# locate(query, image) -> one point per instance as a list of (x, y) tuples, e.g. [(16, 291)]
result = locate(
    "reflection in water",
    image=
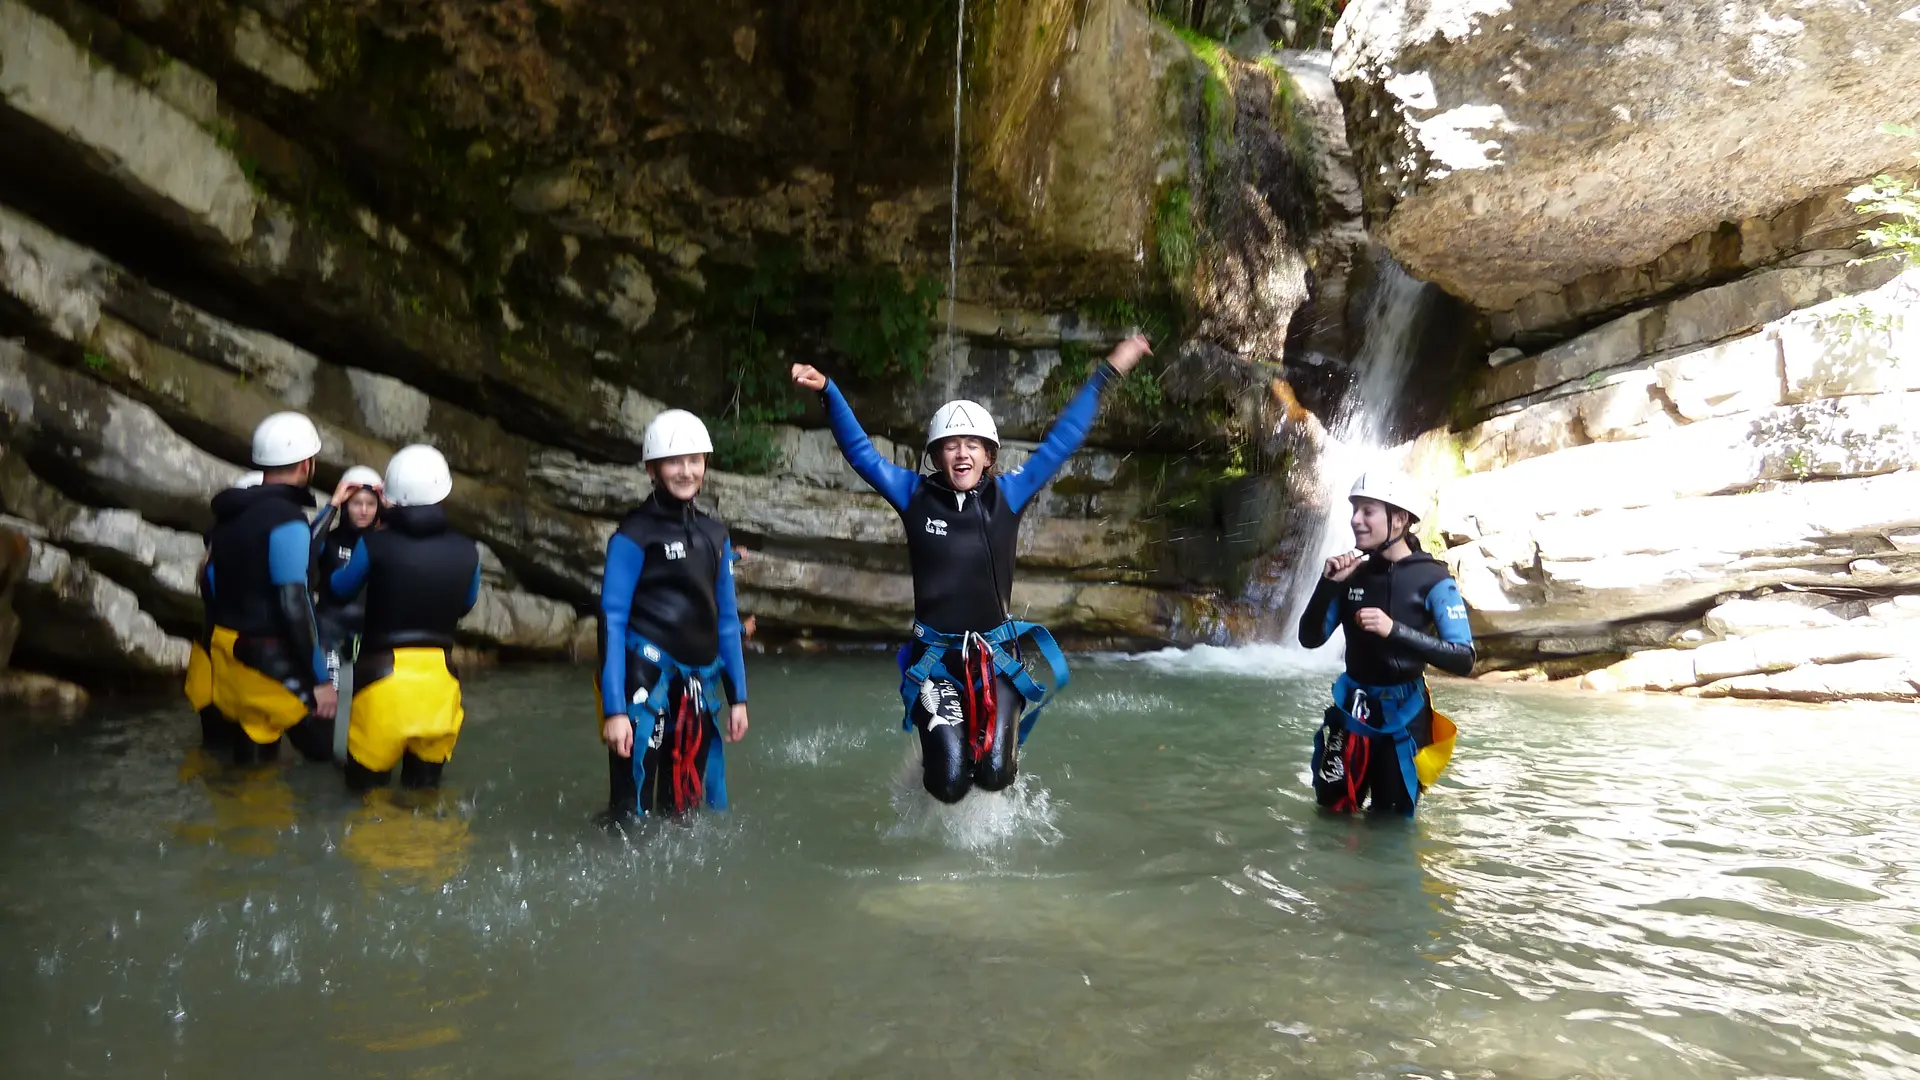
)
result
[(416, 839), (251, 807), (1600, 887)]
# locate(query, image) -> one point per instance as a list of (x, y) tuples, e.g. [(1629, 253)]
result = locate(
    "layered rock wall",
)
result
[(1633, 495), (520, 242)]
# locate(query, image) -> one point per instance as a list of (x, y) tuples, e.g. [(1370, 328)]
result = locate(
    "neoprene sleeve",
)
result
[(1067, 434), (289, 557), (1318, 622), (624, 560), (894, 483), (731, 652), (1450, 656)]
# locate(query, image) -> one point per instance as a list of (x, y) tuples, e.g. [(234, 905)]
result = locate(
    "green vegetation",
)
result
[(1312, 18), (1894, 197), (1173, 234), (882, 323), (96, 361), (1216, 97), (1141, 388), (879, 321), (227, 137), (1294, 127), (747, 317)]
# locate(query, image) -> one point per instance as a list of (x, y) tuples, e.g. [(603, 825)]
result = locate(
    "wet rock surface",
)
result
[(419, 226), (1738, 515), (1513, 150)]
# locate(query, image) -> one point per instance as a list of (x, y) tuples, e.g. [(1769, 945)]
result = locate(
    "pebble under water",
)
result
[(1601, 887)]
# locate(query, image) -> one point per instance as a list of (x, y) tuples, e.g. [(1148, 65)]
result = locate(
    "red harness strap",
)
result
[(981, 698), (687, 778), (1359, 753)]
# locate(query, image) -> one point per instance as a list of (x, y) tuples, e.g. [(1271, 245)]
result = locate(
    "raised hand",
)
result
[(808, 377), (1128, 353)]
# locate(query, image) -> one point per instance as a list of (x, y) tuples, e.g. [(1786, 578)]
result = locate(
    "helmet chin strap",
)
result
[(1381, 548)]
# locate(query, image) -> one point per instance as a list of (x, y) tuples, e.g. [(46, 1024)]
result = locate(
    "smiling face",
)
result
[(362, 507), (1373, 522), (964, 459), (681, 477)]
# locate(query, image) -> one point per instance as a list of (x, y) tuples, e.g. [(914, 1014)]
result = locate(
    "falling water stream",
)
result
[(953, 221), (1359, 436)]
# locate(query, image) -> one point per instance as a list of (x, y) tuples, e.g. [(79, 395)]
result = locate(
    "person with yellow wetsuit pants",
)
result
[(420, 578), (216, 731), (1381, 743), (268, 673)]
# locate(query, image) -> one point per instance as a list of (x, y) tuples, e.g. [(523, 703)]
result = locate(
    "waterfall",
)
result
[(1360, 432), (953, 220)]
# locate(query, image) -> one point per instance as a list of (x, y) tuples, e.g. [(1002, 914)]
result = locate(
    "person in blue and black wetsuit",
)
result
[(1381, 742), (670, 637), (269, 675), (216, 731), (965, 690), (420, 577)]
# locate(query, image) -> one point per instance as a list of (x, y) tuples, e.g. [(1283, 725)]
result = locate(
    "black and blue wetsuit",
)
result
[(1382, 715), (417, 578), (265, 650), (960, 548), (669, 641)]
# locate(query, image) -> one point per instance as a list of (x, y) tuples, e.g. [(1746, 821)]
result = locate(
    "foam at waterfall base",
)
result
[(1270, 660)]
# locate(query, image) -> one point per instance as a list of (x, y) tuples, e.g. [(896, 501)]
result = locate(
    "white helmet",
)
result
[(962, 417), (248, 480), (674, 433), (361, 476), (285, 438), (418, 476), (1393, 487)]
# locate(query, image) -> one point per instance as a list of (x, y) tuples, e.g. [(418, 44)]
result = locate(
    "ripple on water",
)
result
[(1592, 891)]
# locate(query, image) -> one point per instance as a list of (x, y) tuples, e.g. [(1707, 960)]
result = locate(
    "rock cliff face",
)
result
[(1645, 477), (1690, 462), (1548, 160), (518, 231)]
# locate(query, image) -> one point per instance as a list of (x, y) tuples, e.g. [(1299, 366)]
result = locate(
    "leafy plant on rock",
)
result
[(1896, 199)]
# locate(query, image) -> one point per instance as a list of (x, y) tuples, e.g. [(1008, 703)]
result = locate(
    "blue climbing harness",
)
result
[(1397, 706), (994, 641), (706, 708)]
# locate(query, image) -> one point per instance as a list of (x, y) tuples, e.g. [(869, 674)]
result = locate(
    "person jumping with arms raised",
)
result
[(969, 698)]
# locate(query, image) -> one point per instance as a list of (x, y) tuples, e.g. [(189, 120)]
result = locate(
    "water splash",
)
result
[(1359, 436), (983, 821), (953, 205)]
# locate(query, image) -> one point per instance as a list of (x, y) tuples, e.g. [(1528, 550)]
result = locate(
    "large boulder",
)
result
[(1512, 149)]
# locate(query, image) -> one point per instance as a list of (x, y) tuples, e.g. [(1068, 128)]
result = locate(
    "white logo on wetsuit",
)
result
[(936, 526), (941, 700), (345, 553), (675, 549), (1356, 595), (659, 733)]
